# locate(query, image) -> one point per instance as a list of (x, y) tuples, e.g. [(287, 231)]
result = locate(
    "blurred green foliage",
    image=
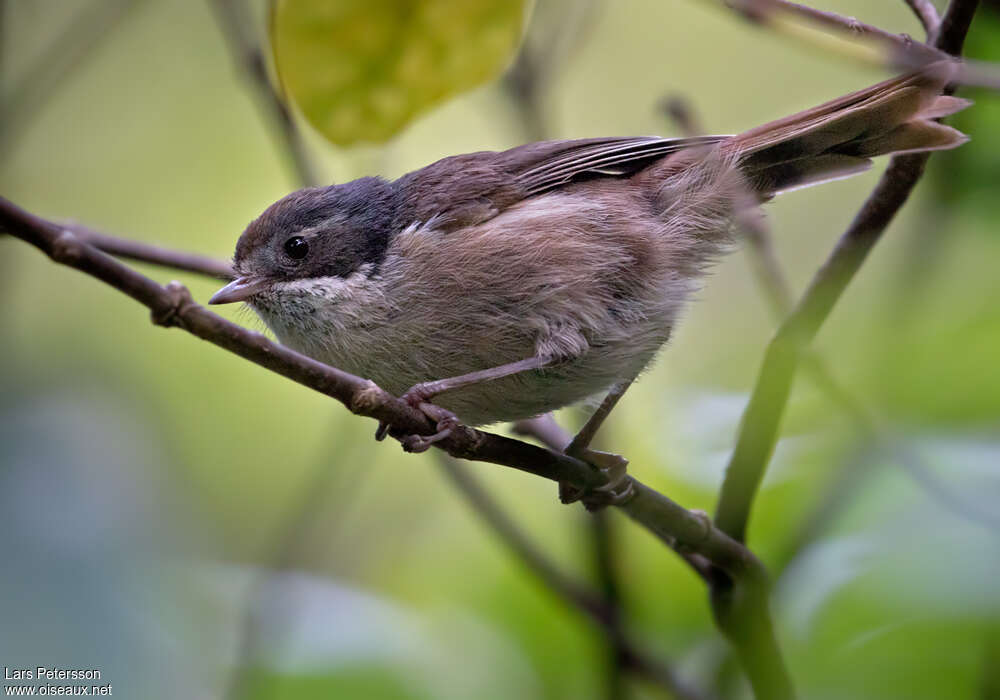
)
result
[(360, 70), (148, 480)]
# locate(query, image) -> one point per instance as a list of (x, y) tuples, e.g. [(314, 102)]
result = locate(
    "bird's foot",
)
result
[(445, 422), (417, 397), (617, 490)]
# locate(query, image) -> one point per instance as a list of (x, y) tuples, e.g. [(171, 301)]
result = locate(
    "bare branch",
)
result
[(236, 23), (899, 51), (858, 40), (758, 431), (153, 254), (172, 306)]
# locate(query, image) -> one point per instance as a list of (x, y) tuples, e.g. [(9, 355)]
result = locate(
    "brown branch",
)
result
[(153, 254), (758, 431), (546, 430), (864, 42), (898, 50), (236, 23), (172, 306)]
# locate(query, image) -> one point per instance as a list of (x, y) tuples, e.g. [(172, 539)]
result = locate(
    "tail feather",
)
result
[(806, 172), (911, 137), (836, 139), (944, 106)]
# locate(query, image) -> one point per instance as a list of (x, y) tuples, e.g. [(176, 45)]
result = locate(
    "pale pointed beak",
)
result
[(240, 289)]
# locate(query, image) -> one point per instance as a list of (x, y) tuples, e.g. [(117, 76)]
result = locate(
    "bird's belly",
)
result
[(398, 363), (529, 394), (532, 392)]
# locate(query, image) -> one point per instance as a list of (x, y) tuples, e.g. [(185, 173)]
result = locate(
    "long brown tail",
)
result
[(838, 138)]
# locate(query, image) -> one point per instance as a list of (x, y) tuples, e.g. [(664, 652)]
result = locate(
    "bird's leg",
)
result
[(419, 397), (619, 487), (428, 390)]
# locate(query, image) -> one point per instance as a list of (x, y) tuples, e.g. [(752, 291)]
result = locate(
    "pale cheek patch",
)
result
[(322, 289), (309, 313)]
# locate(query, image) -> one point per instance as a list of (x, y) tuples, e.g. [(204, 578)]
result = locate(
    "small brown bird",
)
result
[(504, 285)]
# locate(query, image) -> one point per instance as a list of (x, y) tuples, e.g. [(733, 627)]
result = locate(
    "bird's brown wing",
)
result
[(548, 165), (467, 189)]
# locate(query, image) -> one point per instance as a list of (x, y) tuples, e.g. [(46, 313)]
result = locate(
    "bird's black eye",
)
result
[(296, 247)]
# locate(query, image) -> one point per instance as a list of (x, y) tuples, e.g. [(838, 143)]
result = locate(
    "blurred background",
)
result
[(189, 523)]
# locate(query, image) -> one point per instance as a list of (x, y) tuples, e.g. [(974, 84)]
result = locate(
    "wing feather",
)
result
[(609, 158)]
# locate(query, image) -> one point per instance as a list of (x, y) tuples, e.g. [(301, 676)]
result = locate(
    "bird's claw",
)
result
[(614, 492), (445, 422)]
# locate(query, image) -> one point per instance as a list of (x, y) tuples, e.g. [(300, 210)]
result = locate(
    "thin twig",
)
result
[(858, 40), (928, 15), (758, 431), (236, 23), (153, 254), (899, 51)]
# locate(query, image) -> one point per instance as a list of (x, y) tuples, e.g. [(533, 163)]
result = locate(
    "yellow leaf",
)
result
[(360, 70)]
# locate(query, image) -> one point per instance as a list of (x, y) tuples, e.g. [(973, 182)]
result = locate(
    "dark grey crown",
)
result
[(346, 227)]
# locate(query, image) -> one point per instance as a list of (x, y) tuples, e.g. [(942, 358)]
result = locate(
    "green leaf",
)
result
[(360, 70)]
